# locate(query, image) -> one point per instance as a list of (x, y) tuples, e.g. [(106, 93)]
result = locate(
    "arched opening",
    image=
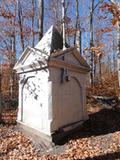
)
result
[(70, 103), (31, 110)]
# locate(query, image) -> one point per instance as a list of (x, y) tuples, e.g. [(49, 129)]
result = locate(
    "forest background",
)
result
[(91, 25)]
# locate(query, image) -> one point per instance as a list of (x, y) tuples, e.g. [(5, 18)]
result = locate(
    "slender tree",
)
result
[(63, 19), (40, 18), (33, 20), (77, 36), (92, 42), (20, 21), (115, 3)]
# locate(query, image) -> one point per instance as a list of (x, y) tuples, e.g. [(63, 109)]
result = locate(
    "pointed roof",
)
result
[(48, 48), (52, 40)]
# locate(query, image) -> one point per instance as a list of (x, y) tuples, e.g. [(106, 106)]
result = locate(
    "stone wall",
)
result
[(69, 98), (34, 95)]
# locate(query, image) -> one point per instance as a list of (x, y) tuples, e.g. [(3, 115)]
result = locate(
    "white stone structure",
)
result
[(52, 85)]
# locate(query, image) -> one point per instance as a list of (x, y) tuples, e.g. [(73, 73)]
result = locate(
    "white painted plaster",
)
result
[(45, 102)]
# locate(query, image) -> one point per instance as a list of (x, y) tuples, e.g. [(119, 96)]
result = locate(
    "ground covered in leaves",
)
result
[(98, 139)]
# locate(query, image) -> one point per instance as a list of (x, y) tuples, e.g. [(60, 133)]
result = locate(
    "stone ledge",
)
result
[(40, 140), (46, 141)]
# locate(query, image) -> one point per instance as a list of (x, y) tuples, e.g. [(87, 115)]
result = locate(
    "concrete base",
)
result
[(45, 142), (40, 141)]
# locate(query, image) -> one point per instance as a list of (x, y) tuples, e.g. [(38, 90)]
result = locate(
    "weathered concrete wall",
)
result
[(69, 98), (34, 94)]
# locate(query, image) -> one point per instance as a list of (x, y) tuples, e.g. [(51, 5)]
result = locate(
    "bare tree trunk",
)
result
[(12, 53), (40, 18), (92, 43), (78, 34), (118, 44), (118, 51), (12, 63), (100, 69), (77, 20), (114, 58), (63, 24), (109, 64), (33, 36), (0, 83), (20, 21)]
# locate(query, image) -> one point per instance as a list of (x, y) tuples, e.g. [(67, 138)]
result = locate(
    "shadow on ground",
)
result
[(103, 122), (109, 156)]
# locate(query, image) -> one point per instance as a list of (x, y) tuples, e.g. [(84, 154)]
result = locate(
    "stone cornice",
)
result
[(72, 67), (52, 63), (30, 68)]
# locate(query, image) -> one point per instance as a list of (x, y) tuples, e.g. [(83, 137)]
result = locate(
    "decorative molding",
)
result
[(72, 67)]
